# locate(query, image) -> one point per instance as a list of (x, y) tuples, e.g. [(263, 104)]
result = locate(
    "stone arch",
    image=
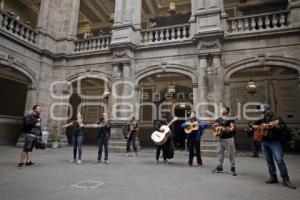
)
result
[(90, 74), (20, 67), (171, 68), (276, 61)]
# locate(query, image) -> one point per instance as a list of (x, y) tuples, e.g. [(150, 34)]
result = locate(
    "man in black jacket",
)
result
[(31, 130), (271, 146), (103, 137), (163, 147)]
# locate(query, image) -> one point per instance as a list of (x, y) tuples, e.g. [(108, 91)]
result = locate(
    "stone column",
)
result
[(195, 97), (227, 93), (138, 14), (127, 23), (294, 7), (116, 76), (127, 90), (30, 98), (218, 79), (121, 72), (202, 84), (118, 12), (43, 16), (206, 17), (57, 25)]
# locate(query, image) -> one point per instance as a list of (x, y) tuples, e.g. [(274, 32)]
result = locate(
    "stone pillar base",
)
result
[(209, 144)]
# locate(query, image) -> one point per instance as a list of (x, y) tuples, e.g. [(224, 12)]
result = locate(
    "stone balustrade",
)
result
[(166, 34), (13, 26), (258, 23), (92, 44)]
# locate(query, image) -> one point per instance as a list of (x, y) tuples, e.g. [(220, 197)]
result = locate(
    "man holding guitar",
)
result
[(225, 126), (271, 145), (164, 147), (194, 128)]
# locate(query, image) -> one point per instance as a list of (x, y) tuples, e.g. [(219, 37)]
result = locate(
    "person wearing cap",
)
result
[(271, 146)]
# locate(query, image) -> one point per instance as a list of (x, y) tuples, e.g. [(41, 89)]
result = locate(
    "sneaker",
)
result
[(78, 161), (73, 161), (233, 171), (29, 163), (106, 162), (20, 165), (218, 169)]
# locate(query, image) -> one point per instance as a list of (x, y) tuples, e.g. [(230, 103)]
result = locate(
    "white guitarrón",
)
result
[(160, 137)]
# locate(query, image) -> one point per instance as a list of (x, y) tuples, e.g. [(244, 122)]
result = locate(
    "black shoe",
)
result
[(218, 169), (29, 163), (20, 165), (233, 171)]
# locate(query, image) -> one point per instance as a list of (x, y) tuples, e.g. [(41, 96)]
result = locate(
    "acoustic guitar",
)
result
[(160, 137), (261, 130), (218, 130), (192, 126)]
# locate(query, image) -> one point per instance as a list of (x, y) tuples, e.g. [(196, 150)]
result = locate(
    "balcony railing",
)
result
[(258, 23), (13, 26), (165, 34), (92, 44)]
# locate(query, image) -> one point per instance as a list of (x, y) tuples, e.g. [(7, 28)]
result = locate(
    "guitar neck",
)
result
[(171, 121)]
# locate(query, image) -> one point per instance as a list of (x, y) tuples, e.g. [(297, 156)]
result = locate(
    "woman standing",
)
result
[(77, 137)]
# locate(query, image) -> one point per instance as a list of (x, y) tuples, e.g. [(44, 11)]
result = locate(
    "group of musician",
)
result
[(224, 125)]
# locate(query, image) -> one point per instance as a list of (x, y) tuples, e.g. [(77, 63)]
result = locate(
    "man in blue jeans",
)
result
[(271, 146)]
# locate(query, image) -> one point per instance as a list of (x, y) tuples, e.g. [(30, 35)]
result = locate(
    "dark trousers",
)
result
[(162, 148), (194, 146), (273, 150), (131, 139), (254, 145), (77, 144), (102, 142)]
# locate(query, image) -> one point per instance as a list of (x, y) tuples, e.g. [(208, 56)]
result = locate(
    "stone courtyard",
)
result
[(129, 178)]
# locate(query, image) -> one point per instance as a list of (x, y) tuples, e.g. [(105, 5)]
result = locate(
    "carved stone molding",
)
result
[(209, 46)]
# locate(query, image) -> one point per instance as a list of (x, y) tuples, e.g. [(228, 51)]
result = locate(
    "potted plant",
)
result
[(55, 140)]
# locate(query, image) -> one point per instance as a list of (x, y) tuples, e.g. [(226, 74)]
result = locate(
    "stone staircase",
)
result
[(209, 144), (117, 142)]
